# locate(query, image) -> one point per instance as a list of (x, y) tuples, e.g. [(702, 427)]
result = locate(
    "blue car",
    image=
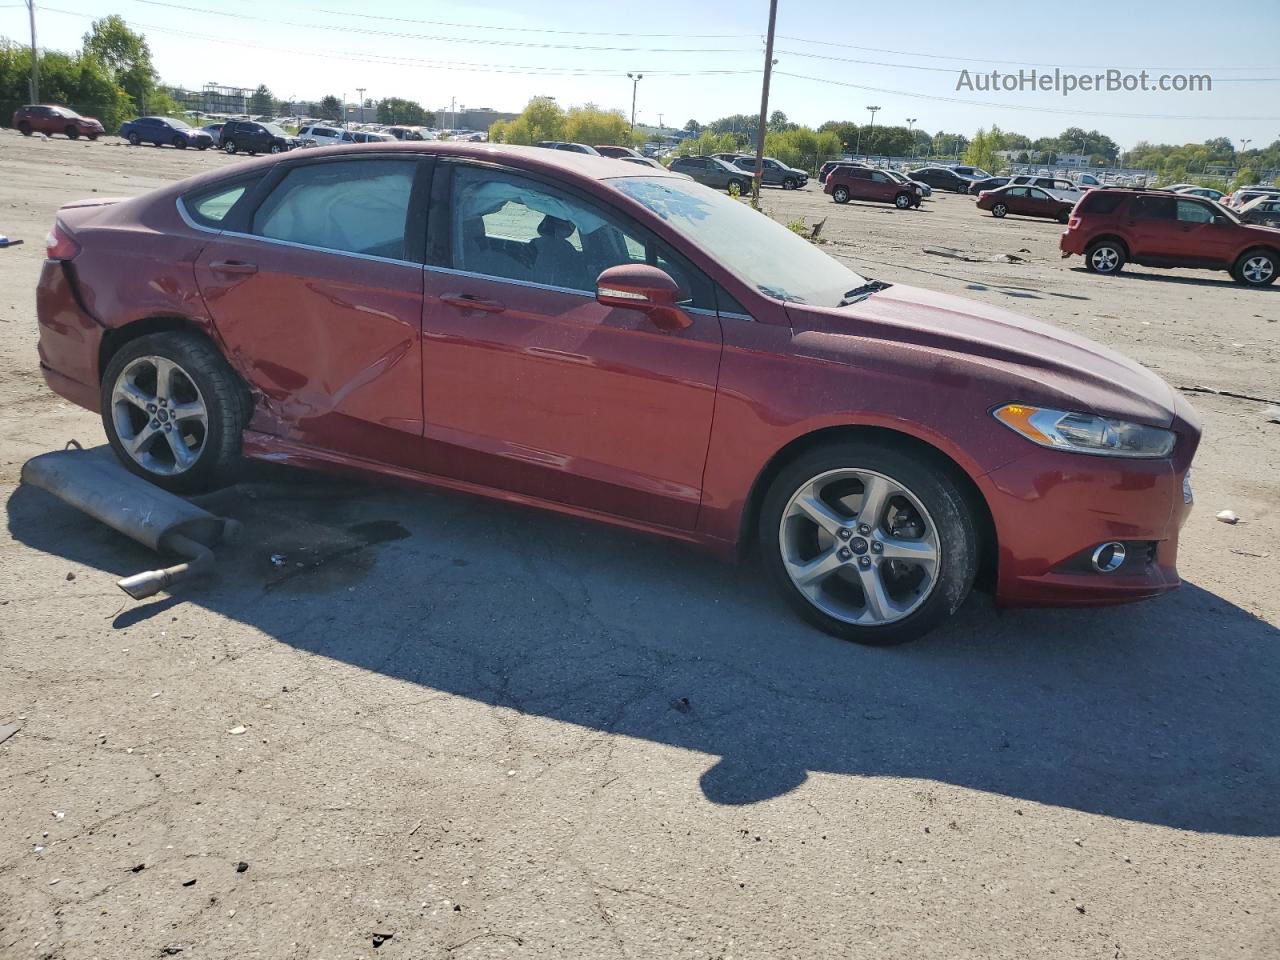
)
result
[(162, 130)]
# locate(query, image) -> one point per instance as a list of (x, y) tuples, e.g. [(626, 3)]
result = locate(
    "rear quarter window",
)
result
[(1101, 201), (212, 207)]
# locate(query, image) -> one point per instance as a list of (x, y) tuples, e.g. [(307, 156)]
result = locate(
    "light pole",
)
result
[(35, 54), (360, 91), (872, 128), (911, 122), (764, 103), (635, 79)]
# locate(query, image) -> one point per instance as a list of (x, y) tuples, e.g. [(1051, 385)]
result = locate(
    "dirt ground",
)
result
[(443, 728)]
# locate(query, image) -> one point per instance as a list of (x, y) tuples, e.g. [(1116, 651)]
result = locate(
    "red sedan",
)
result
[(552, 329), (1025, 202)]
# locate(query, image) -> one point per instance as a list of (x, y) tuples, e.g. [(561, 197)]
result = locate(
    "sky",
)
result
[(703, 60)]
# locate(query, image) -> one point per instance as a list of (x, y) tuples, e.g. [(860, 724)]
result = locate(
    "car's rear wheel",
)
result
[(1256, 268), (71, 132), (736, 188), (174, 411), (869, 543), (229, 146), (24, 128), (1105, 257), (902, 201), (840, 194), (134, 139), (999, 210), (180, 142)]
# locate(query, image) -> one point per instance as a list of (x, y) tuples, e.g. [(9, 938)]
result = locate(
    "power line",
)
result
[(1024, 107), (569, 33), (424, 36)]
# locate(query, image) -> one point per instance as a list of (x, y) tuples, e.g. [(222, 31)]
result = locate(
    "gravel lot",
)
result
[(471, 731)]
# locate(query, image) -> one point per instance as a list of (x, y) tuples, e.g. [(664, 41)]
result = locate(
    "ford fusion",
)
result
[(616, 342)]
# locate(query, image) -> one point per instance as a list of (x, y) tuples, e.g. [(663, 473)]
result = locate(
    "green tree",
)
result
[(126, 56), (693, 126), (261, 102), (397, 110), (541, 119), (590, 125), (778, 122), (331, 108), (78, 81), (982, 149)]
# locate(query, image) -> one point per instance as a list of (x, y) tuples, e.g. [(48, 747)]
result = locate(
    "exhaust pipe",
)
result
[(94, 481)]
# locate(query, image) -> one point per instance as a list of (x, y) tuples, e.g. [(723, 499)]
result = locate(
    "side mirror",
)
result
[(642, 287), (1218, 220)]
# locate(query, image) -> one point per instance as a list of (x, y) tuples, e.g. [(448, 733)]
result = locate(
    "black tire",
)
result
[(24, 128), (1256, 268), (1105, 257), (736, 188), (180, 142), (134, 139), (789, 183), (1064, 216), (999, 210), (902, 201), (229, 147), (276, 148), (840, 194), (203, 147), (72, 133), (93, 136), (225, 400), (931, 481)]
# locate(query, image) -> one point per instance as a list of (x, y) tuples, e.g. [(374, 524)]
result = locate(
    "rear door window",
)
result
[(354, 206)]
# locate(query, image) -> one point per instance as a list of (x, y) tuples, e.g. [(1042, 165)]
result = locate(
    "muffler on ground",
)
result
[(94, 481)]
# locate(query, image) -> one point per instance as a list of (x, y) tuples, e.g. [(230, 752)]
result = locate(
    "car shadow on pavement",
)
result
[(1163, 713), (1220, 279)]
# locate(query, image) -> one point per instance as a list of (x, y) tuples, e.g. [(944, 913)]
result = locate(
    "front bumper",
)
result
[(1051, 508)]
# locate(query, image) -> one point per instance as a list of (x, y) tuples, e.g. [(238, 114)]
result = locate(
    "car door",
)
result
[(315, 288), (881, 187), (1040, 204), (1015, 200), (1198, 238), (1149, 227), (532, 386)]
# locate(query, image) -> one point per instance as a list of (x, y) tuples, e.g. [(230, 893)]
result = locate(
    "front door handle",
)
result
[(468, 301), (233, 266)]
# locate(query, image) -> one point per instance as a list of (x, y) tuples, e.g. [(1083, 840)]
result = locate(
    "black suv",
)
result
[(941, 178), (249, 136)]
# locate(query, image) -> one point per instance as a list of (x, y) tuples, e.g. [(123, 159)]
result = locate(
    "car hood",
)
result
[(1019, 358)]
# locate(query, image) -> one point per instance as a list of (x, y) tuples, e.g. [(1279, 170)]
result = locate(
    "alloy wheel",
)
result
[(999, 210), (859, 546), (1105, 259), (1257, 269), (159, 415)]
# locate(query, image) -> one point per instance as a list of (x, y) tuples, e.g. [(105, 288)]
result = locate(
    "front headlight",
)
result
[(1085, 433)]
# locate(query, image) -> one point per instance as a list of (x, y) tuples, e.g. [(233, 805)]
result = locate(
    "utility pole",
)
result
[(661, 126), (872, 128), (764, 102), (361, 90), (35, 54), (911, 122), (635, 79)]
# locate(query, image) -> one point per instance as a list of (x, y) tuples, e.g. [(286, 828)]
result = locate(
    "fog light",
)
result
[(1108, 558)]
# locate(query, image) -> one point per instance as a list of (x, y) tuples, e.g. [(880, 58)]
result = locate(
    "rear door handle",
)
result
[(233, 266), (468, 301)]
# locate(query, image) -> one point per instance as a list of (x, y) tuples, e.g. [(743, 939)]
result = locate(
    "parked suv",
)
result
[(162, 130), (39, 118), (1157, 229), (713, 173), (249, 136), (830, 165), (324, 136), (860, 183), (775, 173)]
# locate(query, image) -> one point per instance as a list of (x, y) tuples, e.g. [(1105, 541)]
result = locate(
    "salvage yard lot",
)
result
[(438, 727)]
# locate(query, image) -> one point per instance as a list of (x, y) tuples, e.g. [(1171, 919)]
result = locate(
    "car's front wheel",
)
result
[(276, 148), (1256, 268), (840, 194), (869, 543), (789, 183), (174, 411), (902, 201), (180, 142), (999, 210)]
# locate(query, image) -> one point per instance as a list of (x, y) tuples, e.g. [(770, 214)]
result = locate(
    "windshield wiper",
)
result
[(861, 293)]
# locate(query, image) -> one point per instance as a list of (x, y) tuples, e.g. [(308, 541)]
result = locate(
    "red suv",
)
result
[(862, 183), (46, 119), (1157, 229)]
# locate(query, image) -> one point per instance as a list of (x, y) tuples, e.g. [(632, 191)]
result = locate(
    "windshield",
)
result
[(177, 124), (755, 248), (274, 130)]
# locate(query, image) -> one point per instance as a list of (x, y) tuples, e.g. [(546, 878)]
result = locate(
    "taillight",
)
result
[(1073, 222), (60, 245)]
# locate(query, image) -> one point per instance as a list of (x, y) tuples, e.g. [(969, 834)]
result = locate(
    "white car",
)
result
[(324, 136)]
